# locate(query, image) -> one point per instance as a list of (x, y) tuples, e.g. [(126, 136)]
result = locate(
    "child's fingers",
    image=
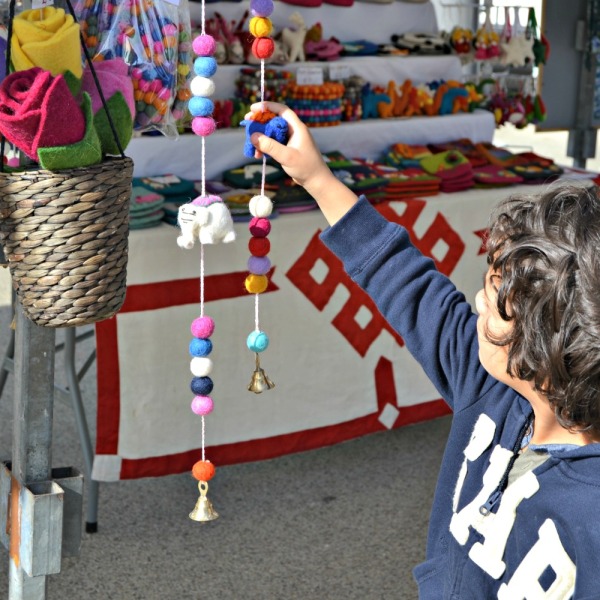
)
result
[(279, 109), (266, 145)]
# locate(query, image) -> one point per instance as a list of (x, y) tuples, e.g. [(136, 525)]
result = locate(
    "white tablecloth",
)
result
[(339, 371)]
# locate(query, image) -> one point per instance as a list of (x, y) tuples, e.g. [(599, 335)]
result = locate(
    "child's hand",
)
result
[(300, 157), (302, 161)]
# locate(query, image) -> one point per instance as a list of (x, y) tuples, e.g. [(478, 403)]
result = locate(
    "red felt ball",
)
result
[(203, 470), (263, 47), (259, 246)]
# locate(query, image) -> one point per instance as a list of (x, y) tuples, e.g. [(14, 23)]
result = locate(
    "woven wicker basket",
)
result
[(65, 237)]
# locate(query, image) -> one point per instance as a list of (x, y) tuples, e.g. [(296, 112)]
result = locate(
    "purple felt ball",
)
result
[(259, 265), (203, 126), (202, 405), (261, 8), (203, 327), (204, 45)]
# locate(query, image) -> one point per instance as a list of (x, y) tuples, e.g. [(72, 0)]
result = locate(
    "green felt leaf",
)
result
[(122, 120), (73, 83), (82, 154)]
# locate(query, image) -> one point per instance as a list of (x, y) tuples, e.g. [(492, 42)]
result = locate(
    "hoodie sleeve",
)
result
[(420, 303)]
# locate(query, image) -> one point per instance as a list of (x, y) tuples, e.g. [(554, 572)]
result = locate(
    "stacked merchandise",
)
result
[(453, 169), (174, 191), (359, 175), (317, 105), (146, 208)]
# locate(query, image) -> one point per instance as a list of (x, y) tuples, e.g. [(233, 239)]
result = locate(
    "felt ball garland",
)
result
[(193, 218), (260, 206)]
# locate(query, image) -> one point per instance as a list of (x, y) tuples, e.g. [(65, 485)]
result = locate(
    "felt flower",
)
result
[(46, 38), (38, 110), (117, 89)]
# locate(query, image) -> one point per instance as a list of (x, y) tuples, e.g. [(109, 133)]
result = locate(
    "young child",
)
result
[(515, 512)]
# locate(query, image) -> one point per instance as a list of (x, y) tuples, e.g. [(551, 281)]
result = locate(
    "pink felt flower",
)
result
[(113, 76), (38, 110)]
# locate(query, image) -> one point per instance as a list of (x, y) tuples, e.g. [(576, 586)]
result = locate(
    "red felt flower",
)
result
[(38, 110)]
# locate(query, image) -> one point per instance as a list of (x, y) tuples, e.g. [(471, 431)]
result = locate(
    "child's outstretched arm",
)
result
[(303, 162)]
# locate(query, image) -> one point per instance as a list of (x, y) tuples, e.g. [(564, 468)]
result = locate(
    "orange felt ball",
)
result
[(263, 47), (203, 470), (260, 26)]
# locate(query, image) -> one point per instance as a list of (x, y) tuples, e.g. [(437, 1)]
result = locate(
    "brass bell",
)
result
[(203, 511), (259, 382)]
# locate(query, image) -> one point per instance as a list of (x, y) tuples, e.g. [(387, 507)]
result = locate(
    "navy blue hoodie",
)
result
[(538, 538)]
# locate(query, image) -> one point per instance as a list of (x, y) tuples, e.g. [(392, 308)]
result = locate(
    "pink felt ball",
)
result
[(203, 327), (204, 45), (202, 405), (259, 227), (263, 47), (203, 126)]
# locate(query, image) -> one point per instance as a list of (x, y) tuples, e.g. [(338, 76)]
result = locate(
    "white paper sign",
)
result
[(309, 76), (338, 72)]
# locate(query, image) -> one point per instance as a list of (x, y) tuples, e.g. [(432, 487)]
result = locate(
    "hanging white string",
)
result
[(203, 455), (201, 279), (203, 159)]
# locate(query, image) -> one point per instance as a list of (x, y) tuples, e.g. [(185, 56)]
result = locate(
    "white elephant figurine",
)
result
[(206, 219)]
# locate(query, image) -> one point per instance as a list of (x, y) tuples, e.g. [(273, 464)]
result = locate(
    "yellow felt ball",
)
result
[(260, 26), (256, 284)]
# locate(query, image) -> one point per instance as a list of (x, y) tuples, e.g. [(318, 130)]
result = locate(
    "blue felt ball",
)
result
[(200, 347), (199, 106), (201, 386), (205, 66), (257, 341)]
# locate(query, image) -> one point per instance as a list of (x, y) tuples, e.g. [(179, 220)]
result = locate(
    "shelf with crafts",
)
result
[(366, 138)]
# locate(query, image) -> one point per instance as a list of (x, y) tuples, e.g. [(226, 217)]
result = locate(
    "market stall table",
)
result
[(340, 372)]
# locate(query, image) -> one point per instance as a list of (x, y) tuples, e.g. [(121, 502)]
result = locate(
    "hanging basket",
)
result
[(65, 236)]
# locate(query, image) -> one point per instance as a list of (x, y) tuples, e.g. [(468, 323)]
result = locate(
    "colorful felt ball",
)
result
[(200, 347), (263, 47), (203, 327), (259, 246), (260, 26), (202, 86), (200, 106), (256, 284), (257, 341), (203, 470), (261, 8), (201, 366), (203, 125), (201, 386), (204, 45), (259, 265), (202, 405), (259, 227), (205, 66), (260, 206)]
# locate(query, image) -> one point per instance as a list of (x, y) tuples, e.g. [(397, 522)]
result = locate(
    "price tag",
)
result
[(41, 3), (309, 76), (337, 72)]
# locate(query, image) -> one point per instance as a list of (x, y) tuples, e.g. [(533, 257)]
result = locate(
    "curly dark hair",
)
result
[(547, 250)]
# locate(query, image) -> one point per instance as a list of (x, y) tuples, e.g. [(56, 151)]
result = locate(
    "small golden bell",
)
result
[(260, 381), (203, 511)]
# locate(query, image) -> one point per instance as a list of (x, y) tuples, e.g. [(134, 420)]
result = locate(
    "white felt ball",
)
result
[(260, 206), (202, 86), (201, 366)]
